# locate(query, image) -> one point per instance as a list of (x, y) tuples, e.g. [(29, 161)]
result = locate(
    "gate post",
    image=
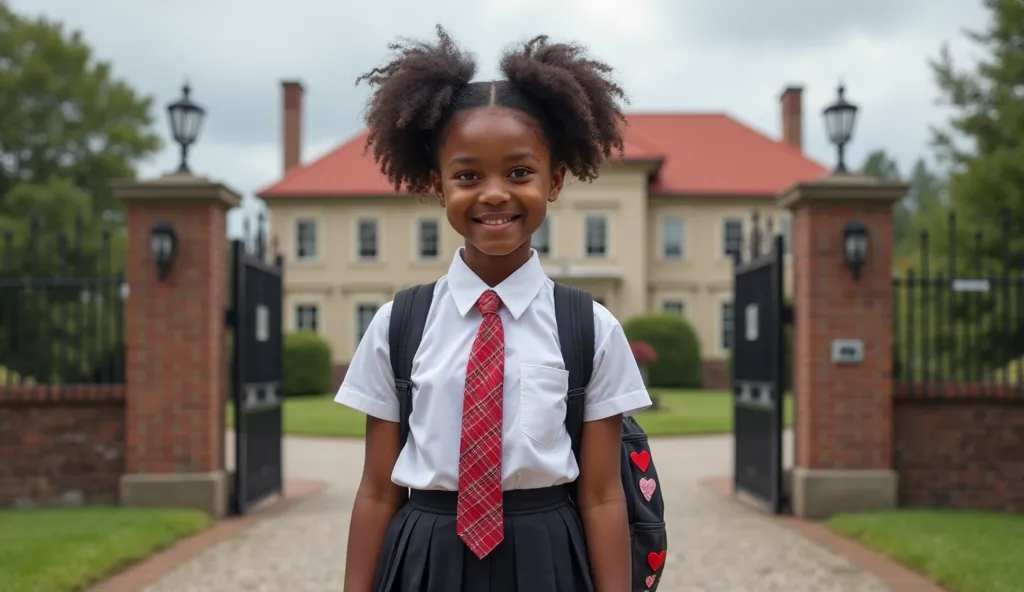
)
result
[(175, 340), (842, 347)]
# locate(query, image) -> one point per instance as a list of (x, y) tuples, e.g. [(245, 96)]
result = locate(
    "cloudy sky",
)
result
[(671, 55)]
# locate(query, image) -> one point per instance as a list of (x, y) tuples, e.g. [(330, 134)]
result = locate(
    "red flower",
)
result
[(644, 353)]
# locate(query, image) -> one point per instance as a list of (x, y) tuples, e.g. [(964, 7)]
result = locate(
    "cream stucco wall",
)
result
[(631, 279)]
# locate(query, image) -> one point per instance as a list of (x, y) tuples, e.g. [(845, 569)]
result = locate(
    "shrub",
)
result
[(678, 351), (307, 364)]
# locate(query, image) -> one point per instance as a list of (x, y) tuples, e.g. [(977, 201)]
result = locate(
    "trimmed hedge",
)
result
[(679, 362), (307, 364)]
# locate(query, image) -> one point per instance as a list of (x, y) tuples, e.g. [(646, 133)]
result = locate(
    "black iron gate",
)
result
[(257, 368), (760, 316)]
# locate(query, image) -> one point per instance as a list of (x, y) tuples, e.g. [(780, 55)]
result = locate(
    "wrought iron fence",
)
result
[(960, 330), (61, 308)]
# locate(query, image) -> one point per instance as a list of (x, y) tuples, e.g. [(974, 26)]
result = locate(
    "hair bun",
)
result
[(578, 95), (417, 86)]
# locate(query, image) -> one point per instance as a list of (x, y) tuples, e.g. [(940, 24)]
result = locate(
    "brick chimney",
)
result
[(793, 117), (291, 133)]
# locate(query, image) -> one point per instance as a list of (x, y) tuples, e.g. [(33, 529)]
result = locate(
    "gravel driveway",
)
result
[(714, 545)]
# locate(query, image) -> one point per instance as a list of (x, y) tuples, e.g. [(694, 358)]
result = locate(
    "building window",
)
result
[(673, 238), (364, 314), (728, 323), (597, 236), (732, 236), (541, 241), (429, 239), (367, 239), (675, 307), (305, 240), (307, 317)]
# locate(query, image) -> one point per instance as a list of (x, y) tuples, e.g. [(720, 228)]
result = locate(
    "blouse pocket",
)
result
[(542, 392)]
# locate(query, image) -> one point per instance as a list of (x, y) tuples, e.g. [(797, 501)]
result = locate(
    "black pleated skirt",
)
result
[(544, 549)]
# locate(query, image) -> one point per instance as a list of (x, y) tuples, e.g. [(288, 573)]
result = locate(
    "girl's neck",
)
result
[(494, 269)]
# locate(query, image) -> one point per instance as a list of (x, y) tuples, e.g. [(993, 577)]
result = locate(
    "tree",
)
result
[(983, 148), (65, 115), (68, 127)]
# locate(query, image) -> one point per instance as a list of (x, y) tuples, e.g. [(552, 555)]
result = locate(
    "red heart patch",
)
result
[(655, 560), (641, 459)]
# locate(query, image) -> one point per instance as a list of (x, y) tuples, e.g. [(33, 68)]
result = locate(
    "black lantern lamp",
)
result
[(839, 119), (855, 246), (186, 119), (163, 242)]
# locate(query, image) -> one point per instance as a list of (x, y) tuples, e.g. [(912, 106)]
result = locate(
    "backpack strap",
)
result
[(574, 314), (408, 317)]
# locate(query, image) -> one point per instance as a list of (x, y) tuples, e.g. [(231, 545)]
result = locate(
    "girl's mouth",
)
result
[(497, 223)]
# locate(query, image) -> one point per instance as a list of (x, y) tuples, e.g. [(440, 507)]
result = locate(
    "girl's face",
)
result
[(495, 180)]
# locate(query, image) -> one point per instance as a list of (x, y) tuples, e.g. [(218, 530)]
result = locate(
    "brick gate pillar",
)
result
[(843, 399), (175, 336)]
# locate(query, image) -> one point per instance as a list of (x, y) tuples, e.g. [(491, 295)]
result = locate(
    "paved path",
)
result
[(715, 545)]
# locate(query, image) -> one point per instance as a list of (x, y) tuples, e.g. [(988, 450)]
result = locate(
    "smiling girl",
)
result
[(478, 498)]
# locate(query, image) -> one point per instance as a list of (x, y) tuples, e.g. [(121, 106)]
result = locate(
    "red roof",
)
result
[(701, 154)]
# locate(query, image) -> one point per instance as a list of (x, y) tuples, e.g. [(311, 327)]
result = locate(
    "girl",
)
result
[(477, 499)]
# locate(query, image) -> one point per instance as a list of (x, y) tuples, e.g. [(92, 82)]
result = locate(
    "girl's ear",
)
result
[(557, 179), (435, 183)]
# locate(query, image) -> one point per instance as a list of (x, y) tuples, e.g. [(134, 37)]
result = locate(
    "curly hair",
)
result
[(570, 96)]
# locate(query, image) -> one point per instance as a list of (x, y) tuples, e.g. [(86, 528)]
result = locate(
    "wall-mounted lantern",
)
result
[(855, 246), (163, 242)]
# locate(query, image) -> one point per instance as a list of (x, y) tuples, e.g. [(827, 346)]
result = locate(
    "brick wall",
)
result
[(61, 445), (963, 452)]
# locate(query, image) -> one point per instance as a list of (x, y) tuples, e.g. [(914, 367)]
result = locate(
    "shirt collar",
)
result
[(516, 292)]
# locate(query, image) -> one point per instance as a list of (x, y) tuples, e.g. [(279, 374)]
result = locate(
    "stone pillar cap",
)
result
[(177, 187), (843, 187)]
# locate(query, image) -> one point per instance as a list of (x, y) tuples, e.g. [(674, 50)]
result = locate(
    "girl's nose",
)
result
[(494, 195)]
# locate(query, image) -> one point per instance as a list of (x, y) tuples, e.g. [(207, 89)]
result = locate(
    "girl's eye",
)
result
[(466, 176), (519, 172)]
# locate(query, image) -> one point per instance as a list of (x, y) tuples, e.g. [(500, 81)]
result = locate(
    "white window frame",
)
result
[(586, 236), (420, 239), (310, 251), (726, 223), (359, 239), (361, 307), (673, 301), (664, 238), (724, 327), (306, 307)]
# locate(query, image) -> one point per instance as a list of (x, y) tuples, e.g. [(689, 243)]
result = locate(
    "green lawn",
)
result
[(961, 550), (66, 549), (684, 412)]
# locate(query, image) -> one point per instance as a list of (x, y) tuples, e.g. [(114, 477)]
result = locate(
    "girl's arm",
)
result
[(377, 501), (602, 504)]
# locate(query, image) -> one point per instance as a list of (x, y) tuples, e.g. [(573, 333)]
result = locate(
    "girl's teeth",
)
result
[(497, 222)]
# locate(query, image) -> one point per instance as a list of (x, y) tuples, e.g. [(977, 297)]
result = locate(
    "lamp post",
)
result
[(855, 246), (186, 118), (839, 119)]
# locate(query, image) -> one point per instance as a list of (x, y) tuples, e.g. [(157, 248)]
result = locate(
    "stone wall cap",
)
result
[(175, 186), (843, 187)]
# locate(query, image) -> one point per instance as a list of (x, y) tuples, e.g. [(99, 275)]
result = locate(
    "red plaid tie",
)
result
[(479, 521)]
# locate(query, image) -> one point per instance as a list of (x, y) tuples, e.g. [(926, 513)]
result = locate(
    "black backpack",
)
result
[(574, 313)]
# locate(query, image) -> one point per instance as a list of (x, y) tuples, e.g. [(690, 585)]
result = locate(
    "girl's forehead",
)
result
[(493, 127)]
